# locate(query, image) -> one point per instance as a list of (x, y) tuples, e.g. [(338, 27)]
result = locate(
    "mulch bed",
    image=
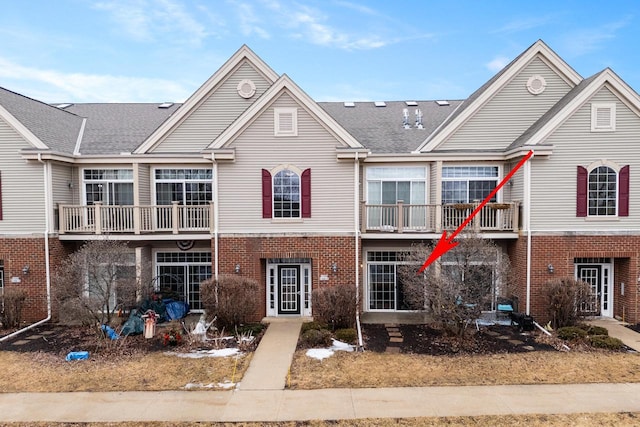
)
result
[(422, 339), (635, 327)]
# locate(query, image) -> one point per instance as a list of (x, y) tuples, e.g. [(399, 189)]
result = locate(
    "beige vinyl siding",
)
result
[(514, 190), (554, 179), (434, 184), (215, 114), (144, 184), (22, 186), (510, 112), (62, 183), (240, 182)]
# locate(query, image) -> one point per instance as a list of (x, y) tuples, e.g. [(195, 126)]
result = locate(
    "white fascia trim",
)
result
[(243, 53), (76, 149), (426, 157), (607, 77), (283, 83), (538, 48), (21, 129)]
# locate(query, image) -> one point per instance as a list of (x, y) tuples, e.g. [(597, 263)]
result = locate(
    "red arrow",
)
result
[(445, 244)]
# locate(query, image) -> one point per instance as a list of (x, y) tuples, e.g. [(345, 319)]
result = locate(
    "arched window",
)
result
[(286, 194), (603, 191)]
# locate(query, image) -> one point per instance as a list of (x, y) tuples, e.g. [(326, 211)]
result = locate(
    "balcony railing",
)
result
[(402, 217), (105, 219)]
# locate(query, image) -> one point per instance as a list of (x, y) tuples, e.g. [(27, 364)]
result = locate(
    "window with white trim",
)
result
[(286, 194), (466, 184), (603, 117), (109, 186), (603, 191), (186, 186), (285, 121), (384, 287)]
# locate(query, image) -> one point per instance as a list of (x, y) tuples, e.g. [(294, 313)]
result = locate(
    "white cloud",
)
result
[(497, 63), (523, 25), (249, 22), (588, 40), (54, 86)]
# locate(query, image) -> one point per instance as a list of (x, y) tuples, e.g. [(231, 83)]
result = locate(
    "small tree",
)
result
[(13, 300), (456, 288), (96, 281), (231, 298), (568, 300), (335, 306)]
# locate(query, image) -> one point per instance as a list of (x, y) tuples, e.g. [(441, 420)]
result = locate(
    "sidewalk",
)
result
[(617, 330)]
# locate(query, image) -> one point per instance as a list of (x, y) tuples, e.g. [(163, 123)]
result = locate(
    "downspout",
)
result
[(527, 200), (46, 253), (215, 217), (356, 217)]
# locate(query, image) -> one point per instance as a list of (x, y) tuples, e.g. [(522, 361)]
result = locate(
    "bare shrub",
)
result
[(12, 303), (232, 299), (95, 282), (335, 306), (457, 287), (568, 300)]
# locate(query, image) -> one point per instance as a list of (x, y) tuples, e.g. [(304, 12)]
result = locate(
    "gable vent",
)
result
[(442, 103), (380, 104), (165, 105), (350, 104)]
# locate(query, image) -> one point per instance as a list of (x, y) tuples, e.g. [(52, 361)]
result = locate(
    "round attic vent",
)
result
[(246, 88), (536, 84)]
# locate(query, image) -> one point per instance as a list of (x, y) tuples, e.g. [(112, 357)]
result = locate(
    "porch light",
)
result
[(334, 267), (550, 268), (25, 270), (237, 269)]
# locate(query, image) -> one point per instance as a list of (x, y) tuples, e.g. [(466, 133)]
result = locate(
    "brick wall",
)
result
[(560, 251), (251, 254)]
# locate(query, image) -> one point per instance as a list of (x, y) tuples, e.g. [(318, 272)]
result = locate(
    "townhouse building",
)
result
[(251, 176)]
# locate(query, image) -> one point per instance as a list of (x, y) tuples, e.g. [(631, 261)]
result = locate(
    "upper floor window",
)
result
[(603, 117), (465, 184), (108, 186), (388, 185), (602, 190), (286, 193), (285, 121), (186, 186)]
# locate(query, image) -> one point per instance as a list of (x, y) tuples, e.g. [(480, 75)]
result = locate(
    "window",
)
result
[(385, 290), (388, 186), (603, 117), (602, 191), (285, 121), (466, 184), (286, 194), (108, 186), (103, 281), (186, 186), (179, 274)]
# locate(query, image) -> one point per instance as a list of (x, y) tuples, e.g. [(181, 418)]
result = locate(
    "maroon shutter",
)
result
[(623, 191), (266, 194), (0, 195), (581, 201), (305, 189)]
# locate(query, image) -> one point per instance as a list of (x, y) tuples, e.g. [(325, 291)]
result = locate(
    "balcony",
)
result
[(400, 218), (107, 219)]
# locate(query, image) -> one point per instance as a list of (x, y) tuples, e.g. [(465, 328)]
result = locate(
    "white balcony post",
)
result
[(515, 206), (211, 217), (61, 219), (175, 216), (400, 214), (97, 217), (438, 218), (137, 220), (477, 220), (364, 221)]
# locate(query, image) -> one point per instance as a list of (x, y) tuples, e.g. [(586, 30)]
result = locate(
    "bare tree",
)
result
[(96, 281), (456, 288), (569, 300), (231, 298)]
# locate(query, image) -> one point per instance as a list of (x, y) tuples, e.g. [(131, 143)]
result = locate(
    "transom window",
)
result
[(465, 184), (603, 191), (108, 186), (286, 194), (186, 186)]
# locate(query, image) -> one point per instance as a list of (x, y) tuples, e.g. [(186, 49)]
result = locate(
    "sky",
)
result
[(335, 50)]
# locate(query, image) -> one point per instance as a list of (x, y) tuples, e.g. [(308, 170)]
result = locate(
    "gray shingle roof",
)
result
[(117, 128), (381, 129), (56, 128)]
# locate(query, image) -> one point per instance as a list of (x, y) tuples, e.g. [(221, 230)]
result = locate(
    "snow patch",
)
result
[(195, 386), (324, 353), (198, 354)]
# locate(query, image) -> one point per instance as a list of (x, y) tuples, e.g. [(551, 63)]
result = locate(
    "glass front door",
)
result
[(289, 289), (598, 276)]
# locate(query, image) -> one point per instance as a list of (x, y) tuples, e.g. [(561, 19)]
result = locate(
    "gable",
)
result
[(217, 110), (512, 110)]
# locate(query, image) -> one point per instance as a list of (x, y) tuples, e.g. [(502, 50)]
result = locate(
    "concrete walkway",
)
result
[(261, 396), (617, 329)]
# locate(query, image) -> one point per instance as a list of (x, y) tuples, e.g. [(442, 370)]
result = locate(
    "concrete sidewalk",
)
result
[(618, 330), (325, 404)]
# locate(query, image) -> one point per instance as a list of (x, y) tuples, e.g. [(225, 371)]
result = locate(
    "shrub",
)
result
[(316, 338), (307, 326), (252, 328), (12, 303), (571, 333), (347, 335), (335, 306), (231, 298), (566, 298), (606, 342), (597, 330)]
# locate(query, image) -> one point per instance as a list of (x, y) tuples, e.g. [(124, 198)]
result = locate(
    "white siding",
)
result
[(62, 183), (215, 114), (240, 183), (22, 186), (510, 112), (554, 180)]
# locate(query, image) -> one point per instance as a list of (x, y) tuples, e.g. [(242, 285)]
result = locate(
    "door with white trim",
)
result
[(288, 289), (598, 276)]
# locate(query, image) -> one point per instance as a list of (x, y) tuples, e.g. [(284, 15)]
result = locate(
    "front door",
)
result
[(598, 276), (289, 289)]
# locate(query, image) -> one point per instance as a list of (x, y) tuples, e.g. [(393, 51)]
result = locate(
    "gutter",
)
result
[(356, 217), (47, 209)]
